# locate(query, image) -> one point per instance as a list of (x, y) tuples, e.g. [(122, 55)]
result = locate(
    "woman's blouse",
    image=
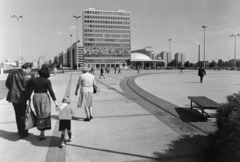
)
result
[(43, 85), (86, 81)]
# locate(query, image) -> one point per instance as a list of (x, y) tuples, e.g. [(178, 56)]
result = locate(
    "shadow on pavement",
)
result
[(73, 118), (178, 150), (189, 115), (112, 151), (11, 136), (33, 139)]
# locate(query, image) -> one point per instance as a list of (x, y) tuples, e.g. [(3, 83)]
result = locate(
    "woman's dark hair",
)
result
[(27, 65), (44, 72)]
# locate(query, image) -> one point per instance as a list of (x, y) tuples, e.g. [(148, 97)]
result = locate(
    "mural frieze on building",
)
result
[(107, 51)]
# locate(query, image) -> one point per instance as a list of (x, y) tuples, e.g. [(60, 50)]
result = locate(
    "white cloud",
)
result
[(60, 33), (72, 27)]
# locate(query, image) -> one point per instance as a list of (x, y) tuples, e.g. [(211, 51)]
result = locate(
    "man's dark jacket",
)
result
[(17, 86)]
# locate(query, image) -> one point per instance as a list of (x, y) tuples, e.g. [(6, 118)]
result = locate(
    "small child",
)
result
[(65, 116)]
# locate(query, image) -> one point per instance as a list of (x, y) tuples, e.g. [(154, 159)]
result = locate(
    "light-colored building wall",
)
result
[(180, 58), (166, 56), (106, 36)]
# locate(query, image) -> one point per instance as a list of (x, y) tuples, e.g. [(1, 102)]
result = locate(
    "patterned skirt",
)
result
[(42, 106), (85, 99)]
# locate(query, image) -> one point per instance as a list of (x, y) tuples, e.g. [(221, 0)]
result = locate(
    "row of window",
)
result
[(106, 40), (107, 26), (107, 31), (104, 61), (107, 45), (108, 22), (106, 17), (107, 35), (106, 56), (107, 13)]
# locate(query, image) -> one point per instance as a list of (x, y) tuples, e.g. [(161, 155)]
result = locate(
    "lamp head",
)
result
[(204, 26)]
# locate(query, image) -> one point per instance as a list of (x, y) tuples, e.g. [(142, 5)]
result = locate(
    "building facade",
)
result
[(180, 58), (166, 56), (63, 58), (106, 37)]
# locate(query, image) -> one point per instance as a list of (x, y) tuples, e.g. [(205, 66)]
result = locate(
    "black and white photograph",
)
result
[(119, 80)]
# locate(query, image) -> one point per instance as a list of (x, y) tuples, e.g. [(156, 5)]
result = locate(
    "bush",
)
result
[(224, 144)]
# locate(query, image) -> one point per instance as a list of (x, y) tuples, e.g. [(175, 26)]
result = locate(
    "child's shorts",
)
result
[(64, 124)]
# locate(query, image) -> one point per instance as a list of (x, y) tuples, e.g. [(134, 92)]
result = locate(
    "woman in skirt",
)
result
[(86, 81), (41, 101)]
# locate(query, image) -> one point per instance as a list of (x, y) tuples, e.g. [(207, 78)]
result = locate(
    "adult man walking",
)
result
[(201, 73), (18, 94), (101, 73)]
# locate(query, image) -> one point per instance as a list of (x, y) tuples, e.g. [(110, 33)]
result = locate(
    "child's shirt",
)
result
[(66, 112)]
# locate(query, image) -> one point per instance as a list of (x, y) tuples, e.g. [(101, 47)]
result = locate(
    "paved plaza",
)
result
[(136, 117)]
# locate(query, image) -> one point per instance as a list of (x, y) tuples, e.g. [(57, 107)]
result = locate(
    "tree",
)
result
[(220, 63), (187, 63), (212, 64)]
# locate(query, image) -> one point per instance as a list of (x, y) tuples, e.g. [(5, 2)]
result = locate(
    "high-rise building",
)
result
[(106, 37), (180, 58), (166, 56)]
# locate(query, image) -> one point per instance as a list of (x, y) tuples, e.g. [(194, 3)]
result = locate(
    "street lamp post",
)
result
[(204, 27), (18, 17), (77, 17), (235, 42), (71, 54), (169, 49)]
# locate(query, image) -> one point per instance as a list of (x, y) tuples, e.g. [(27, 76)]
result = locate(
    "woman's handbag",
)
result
[(29, 119), (95, 89)]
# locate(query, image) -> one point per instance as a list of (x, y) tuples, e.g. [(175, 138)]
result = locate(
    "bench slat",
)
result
[(204, 102)]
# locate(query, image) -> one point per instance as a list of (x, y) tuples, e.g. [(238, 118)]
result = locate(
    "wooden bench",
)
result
[(203, 103)]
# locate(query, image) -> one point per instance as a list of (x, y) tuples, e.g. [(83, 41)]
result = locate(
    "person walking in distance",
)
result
[(18, 83), (86, 81), (181, 68), (55, 70), (101, 73), (201, 73), (115, 69), (138, 69), (119, 70), (65, 117)]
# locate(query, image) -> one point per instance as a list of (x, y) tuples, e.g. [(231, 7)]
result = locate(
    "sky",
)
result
[(47, 25)]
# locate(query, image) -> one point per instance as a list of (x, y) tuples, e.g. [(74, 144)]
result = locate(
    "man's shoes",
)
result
[(91, 117), (25, 135), (86, 119)]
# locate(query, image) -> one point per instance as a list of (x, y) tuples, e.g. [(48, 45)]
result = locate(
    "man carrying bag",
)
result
[(29, 119), (17, 83)]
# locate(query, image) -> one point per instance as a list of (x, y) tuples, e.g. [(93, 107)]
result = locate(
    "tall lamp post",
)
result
[(18, 17), (235, 42), (71, 54), (77, 17), (169, 49), (204, 27)]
